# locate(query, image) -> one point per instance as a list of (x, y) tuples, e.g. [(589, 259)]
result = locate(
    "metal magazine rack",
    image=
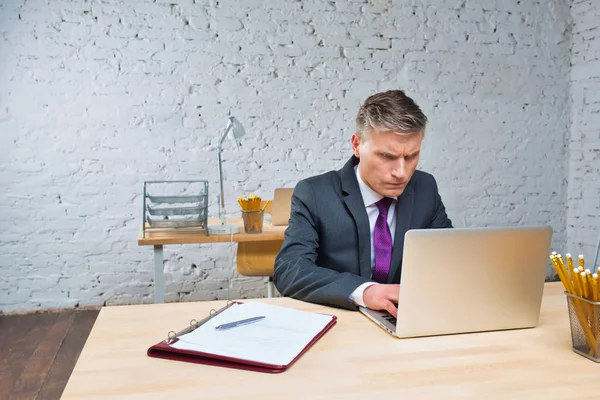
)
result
[(181, 204)]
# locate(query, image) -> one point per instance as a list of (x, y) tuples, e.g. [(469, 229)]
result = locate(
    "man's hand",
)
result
[(382, 297)]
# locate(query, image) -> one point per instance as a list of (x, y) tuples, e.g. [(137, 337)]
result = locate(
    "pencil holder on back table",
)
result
[(252, 213)]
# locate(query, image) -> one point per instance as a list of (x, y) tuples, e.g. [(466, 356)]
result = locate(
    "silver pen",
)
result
[(241, 322)]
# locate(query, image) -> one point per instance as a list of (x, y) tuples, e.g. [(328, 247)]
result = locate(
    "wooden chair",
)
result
[(258, 258)]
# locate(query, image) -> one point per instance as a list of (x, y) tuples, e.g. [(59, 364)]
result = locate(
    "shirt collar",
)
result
[(369, 196)]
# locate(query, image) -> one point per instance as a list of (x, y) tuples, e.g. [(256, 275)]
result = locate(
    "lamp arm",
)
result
[(227, 129), (222, 195)]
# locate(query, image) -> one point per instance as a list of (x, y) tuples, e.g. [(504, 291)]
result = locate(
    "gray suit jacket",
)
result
[(326, 253)]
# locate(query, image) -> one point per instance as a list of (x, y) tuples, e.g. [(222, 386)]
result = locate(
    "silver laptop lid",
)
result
[(472, 279)]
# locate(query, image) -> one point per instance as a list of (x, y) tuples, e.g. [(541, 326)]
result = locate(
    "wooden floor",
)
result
[(39, 351)]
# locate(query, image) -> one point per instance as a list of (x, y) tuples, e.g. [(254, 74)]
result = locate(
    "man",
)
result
[(345, 239)]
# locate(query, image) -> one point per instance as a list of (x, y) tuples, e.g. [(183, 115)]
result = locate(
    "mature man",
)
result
[(345, 239)]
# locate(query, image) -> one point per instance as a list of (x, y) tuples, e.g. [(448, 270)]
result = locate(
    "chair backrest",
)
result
[(282, 204), (267, 206)]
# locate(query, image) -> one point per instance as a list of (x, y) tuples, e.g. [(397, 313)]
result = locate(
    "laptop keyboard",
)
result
[(390, 318)]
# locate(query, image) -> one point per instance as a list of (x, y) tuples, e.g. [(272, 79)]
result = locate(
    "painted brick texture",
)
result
[(98, 96), (583, 216)]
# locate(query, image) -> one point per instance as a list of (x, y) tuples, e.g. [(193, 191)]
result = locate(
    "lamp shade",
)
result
[(237, 129)]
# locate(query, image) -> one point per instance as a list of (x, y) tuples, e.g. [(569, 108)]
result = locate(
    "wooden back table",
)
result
[(356, 359), (256, 252)]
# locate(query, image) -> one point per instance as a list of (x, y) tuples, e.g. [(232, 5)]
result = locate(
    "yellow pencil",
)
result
[(569, 261), (587, 280), (569, 275), (592, 280), (585, 286), (578, 290), (559, 259), (562, 274), (582, 285), (574, 272), (581, 262)]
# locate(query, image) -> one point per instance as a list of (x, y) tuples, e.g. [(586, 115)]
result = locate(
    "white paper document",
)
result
[(276, 340)]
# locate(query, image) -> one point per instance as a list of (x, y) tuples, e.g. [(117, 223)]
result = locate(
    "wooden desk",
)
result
[(255, 252), (356, 359)]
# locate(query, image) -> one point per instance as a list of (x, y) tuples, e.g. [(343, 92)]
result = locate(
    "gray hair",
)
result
[(390, 111)]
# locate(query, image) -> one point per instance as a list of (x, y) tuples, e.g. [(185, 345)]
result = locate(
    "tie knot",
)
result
[(383, 205)]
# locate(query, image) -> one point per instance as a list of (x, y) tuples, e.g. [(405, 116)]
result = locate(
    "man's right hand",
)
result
[(382, 297)]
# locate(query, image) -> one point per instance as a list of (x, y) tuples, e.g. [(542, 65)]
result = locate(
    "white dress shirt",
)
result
[(370, 197)]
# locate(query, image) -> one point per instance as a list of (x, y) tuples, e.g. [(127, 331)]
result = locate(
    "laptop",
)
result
[(466, 280), (282, 205)]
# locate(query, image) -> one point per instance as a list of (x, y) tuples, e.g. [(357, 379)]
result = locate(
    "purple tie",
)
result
[(382, 242)]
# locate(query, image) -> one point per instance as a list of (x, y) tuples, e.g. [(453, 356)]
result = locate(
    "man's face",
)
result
[(387, 160)]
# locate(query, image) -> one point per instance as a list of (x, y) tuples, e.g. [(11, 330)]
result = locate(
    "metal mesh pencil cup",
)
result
[(584, 316)]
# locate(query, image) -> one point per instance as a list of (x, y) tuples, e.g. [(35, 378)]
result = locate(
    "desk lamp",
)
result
[(238, 131)]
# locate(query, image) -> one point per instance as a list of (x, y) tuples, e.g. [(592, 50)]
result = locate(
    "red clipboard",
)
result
[(165, 351)]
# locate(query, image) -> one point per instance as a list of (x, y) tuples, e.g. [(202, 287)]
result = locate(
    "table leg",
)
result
[(270, 287), (159, 275)]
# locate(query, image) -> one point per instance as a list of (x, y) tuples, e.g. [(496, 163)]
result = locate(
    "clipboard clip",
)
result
[(194, 324)]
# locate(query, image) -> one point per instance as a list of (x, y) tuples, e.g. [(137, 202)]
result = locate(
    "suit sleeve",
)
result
[(296, 273), (439, 218)]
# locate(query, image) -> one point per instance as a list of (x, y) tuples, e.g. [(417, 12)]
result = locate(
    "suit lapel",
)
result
[(404, 210), (356, 206)]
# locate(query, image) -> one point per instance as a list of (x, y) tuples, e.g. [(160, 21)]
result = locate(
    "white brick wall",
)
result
[(583, 217), (98, 96)]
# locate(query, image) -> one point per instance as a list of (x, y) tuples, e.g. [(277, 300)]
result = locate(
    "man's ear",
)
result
[(355, 140)]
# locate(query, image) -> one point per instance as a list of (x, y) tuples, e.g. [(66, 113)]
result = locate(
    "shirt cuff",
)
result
[(357, 296)]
